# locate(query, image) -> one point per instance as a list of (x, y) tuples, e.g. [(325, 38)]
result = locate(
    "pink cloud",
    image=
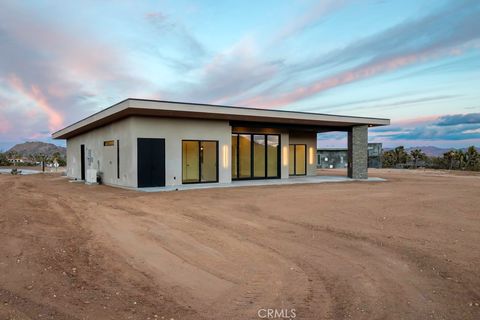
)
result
[(416, 121), (5, 126), (71, 51), (319, 10), (362, 72), (34, 94), (231, 73)]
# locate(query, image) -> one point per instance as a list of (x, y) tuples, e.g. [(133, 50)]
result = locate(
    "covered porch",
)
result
[(293, 155)]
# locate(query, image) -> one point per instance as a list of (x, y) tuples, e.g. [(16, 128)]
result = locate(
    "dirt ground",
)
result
[(408, 248)]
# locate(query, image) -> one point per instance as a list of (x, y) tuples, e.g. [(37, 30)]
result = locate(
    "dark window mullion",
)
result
[(118, 159), (305, 156), (266, 155), (252, 157), (238, 156), (294, 160), (199, 161), (279, 157)]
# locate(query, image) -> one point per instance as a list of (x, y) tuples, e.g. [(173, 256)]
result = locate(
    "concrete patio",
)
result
[(262, 182)]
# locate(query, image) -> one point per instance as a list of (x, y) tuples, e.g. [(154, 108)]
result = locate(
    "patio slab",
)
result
[(262, 182)]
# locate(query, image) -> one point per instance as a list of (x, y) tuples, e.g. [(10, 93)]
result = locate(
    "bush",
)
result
[(3, 160)]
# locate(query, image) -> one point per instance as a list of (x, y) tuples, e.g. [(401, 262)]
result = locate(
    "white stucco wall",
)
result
[(128, 130), (310, 139), (173, 130), (102, 158)]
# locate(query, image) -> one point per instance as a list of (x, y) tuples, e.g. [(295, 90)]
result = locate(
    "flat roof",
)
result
[(172, 109)]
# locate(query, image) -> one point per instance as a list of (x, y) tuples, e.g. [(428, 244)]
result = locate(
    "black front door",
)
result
[(150, 162), (82, 161)]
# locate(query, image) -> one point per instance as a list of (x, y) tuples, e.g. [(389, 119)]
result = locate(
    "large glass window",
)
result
[(291, 159), (190, 163), (244, 156), (208, 161), (298, 159), (273, 155), (199, 161), (259, 156), (255, 156)]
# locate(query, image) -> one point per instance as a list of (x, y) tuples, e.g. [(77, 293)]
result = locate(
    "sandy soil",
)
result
[(408, 248)]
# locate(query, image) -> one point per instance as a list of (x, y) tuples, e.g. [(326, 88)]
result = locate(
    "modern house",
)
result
[(334, 158), (150, 143)]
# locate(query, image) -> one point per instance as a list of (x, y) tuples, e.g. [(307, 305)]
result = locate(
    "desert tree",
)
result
[(4, 160), (416, 155), (388, 159), (401, 156), (460, 159), (471, 158), (449, 158)]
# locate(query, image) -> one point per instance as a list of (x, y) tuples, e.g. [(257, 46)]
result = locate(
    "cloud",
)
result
[(170, 33), (5, 125), (431, 37), (387, 105), (165, 25), (446, 127), (230, 73), (37, 97), (362, 72), (315, 14), (458, 119), (472, 131), (52, 74)]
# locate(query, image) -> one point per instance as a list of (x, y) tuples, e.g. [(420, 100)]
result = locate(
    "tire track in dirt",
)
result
[(56, 242), (256, 293), (390, 278), (309, 251)]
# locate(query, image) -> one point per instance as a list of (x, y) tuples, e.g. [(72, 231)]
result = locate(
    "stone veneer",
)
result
[(358, 152)]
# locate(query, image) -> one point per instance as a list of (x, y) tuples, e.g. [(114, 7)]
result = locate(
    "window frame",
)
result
[(295, 160), (200, 163), (252, 155)]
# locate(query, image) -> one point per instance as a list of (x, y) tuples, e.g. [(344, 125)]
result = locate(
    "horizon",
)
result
[(415, 62), (423, 148)]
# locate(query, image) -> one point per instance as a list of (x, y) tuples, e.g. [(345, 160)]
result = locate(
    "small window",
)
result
[(109, 143)]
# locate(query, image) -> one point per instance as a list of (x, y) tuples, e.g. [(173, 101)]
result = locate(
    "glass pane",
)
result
[(291, 160), (190, 164), (259, 156), (272, 156), (300, 153), (208, 159), (234, 156), (244, 155)]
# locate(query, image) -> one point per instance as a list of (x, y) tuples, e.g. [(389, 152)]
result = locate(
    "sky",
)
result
[(414, 62)]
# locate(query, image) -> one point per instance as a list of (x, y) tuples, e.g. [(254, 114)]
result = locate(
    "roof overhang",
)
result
[(156, 108)]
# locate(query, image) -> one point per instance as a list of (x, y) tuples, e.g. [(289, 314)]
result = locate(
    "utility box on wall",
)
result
[(91, 176)]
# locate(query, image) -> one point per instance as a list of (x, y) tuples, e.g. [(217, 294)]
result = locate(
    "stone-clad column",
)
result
[(358, 152)]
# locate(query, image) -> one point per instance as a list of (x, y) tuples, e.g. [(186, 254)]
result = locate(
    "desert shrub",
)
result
[(3, 160)]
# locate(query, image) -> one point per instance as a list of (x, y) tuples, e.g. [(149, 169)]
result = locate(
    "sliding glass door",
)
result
[(297, 159), (190, 161), (273, 156), (255, 156), (259, 157), (244, 156), (199, 161)]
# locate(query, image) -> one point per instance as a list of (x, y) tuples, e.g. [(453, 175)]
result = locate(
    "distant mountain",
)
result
[(36, 147), (429, 150)]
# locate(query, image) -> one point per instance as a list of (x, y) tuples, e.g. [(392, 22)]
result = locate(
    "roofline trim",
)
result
[(57, 134)]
